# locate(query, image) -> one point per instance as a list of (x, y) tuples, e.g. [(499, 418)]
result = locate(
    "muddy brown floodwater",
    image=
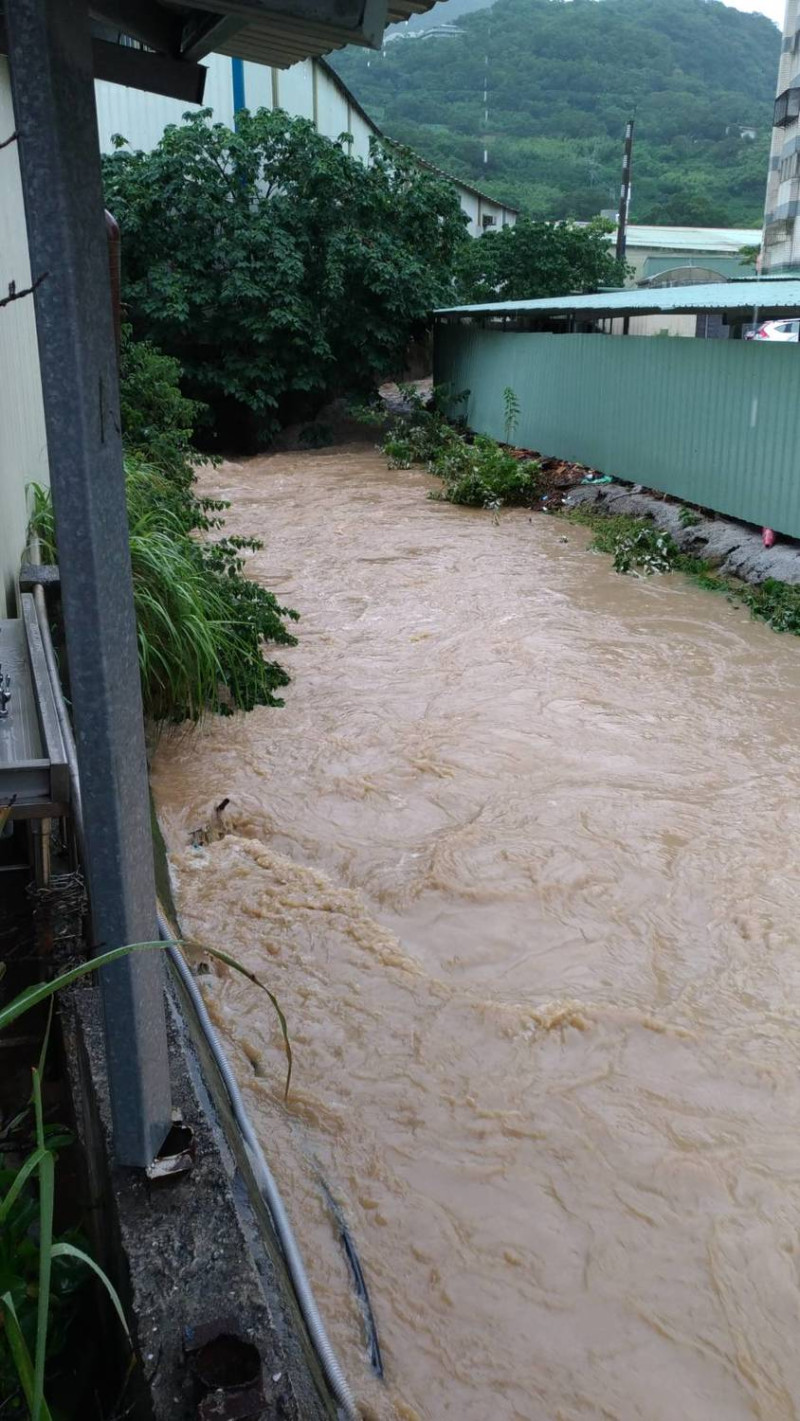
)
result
[(519, 858)]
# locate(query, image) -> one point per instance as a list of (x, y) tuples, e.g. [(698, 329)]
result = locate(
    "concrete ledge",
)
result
[(735, 549), (188, 1251)]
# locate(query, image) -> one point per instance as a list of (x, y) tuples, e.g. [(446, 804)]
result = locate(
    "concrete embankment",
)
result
[(734, 549)]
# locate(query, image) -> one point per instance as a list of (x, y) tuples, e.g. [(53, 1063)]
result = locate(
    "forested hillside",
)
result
[(563, 75)]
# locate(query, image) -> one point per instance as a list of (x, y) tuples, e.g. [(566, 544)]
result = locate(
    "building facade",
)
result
[(781, 245), (310, 89), (679, 256)]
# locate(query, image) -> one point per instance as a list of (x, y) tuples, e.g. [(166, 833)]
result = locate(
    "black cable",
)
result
[(359, 1282)]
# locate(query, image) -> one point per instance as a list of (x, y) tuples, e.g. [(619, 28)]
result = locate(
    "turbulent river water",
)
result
[(519, 858)]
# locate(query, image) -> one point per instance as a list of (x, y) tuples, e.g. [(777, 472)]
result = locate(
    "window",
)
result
[(790, 168), (787, 107), (488, 221)]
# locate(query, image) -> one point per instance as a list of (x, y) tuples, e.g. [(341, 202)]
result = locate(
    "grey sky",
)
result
[(773, 8)]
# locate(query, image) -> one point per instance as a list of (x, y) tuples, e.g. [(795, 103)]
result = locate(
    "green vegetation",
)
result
[(202, 624), (482, 474), (478, 472), (534, 259), (563, 79), (638, 547), (688, 518), (776, 603), (276, 268), (39, 1272), (511, 413), (421, 433), (158, 421)]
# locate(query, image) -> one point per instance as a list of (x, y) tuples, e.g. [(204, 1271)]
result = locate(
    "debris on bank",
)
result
[(556, 478), (732, 549)]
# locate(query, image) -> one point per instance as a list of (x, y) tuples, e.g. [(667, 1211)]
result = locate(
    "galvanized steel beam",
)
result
[(53, 90)]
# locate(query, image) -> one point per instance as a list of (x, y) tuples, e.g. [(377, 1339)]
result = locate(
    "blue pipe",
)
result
[(237, 76)]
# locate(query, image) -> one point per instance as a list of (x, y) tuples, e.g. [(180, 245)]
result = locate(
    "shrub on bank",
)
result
[(158, 421), (484, 475), (478, 472), (202, 625), (637, 546)]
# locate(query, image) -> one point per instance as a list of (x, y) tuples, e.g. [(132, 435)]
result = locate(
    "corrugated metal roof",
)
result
[(282, 39), (725, 240), (767, 297), (273, 32)]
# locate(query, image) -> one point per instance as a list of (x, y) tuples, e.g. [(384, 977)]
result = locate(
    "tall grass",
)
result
[(32, 1260), (201, 624)]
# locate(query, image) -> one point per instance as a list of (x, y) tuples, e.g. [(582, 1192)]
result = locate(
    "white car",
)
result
[(776, 330)]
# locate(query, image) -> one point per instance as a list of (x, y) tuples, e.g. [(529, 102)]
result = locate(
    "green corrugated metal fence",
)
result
[(714, 422)]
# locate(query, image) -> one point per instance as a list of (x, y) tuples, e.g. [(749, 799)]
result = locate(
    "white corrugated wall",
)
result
[(307, 90), (142, 118), (23, 445)]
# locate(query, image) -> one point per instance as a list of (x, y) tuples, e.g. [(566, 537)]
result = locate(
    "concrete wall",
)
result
[(307, 90), (714, 422), (23, 445)]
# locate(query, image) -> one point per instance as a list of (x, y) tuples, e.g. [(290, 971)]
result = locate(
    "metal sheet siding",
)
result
[(142, 118), (714, 422)]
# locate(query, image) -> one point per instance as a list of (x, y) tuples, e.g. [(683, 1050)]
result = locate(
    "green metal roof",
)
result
[(734, 297), (731, 268)]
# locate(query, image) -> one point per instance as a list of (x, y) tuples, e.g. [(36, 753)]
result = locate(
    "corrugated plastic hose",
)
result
[(269, 1190), (261, 1170)]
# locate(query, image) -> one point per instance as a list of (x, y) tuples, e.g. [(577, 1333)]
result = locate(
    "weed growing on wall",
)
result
[(511, 413)]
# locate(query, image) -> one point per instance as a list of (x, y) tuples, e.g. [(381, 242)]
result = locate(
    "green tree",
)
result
[(536, 259), (157, 420), (274, 266)]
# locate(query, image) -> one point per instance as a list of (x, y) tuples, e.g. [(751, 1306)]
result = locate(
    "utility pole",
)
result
[(625, 191)]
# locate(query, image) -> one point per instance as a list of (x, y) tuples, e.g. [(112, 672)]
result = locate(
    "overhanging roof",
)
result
[(274, 32), (741, 298), (171, 36)]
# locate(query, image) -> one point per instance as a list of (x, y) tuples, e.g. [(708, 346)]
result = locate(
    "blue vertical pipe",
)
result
[(237, 77)]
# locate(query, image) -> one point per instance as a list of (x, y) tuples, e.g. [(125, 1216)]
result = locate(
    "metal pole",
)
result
[(53, 88), (625, 191)]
